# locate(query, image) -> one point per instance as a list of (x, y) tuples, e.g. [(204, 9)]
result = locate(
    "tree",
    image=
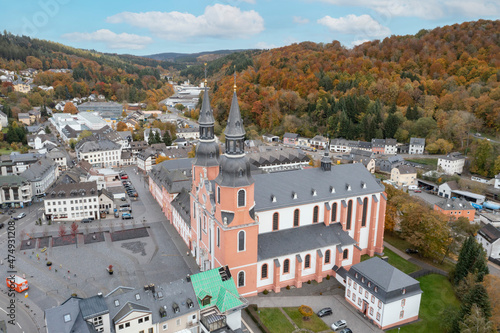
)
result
[(47, 129), (161, 158), (124, 114), (306, 312), (167, 140), (472, 258), (62, 230), (391, 125), (121, 126), (72, 144), (477, 295), (192, 152), (84, 134), (157, 137), (69, 107), (74, 229), (475, 322), (491, 283)]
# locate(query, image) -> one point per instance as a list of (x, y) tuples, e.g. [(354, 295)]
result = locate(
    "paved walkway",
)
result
[(417, 262)]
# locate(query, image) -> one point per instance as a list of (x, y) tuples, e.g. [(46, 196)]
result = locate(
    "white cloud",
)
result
[(364, 26), (265, 46), (111, 39), (300, 20), (359, 42), (223, 21), (426, 9)]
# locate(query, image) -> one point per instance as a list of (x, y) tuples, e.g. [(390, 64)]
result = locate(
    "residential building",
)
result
[(489, 218), (41, 175), (378, 146), (445, 190), (387, 163), (4, 120), (59, 156), (402, 148), (87, 315), (181, 210), (104, 109), (24, 118), (391, 146), (277, 229), (99, 152), (106, 201), (450, 189), (304, 142), (382, 293), (497, 181), (417, 146), (319, 142), (269, 138), (340, 146), (219, 301), (166, 182), (489, 237), (15, 191), (188, 133), (290, 139), (455, 208), (22, 87), (451, 164), (16, 163), (404, 175), (40, 141), (364, 157), (70, 202), (272, 159), (146, 159)]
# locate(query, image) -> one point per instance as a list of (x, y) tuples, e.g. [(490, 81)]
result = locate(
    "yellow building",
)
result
[(404, 175), (22, 88)]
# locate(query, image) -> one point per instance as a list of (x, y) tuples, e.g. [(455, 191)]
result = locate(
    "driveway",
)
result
[(340, 309)]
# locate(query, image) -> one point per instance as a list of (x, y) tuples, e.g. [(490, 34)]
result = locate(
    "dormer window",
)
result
[(404, 291), (273, 198), (67, 318), (117, 303), (314, 193), (363, 185), (347, 187), (294, 195), (332, 189)]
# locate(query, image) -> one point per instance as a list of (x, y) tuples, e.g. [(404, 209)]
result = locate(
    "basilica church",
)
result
[(273, 230)]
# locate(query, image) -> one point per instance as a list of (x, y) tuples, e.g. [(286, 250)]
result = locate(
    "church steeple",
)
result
[(207, 150), (235, 168), (326, 162), (234, 132), (206, 119)]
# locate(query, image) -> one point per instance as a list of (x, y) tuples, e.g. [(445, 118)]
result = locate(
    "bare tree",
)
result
[(74, 229), (62, 230)]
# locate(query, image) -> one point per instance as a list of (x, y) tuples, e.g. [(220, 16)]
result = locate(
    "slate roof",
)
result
[(37, 171), (234, 126), (290, 135), (453, 157), (206, 115), (83, 189), (97, 145), (182, 204), (166, 294), (406, 169), (455, 204), (395, 159), (282, 185), (56, 322), (389, 280), (223, 292), (93, 306), (417, 142), (12, 180), (490, 233), (307, 238), (174, 175), (274, 157)]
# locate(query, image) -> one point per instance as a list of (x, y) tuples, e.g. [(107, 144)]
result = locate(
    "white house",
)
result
[(180, 214), (451, 164), (417, 146), (70, 202), (4, 120), (382, 293), (99, 152), (489, 237), (41, 175), (497, 181)]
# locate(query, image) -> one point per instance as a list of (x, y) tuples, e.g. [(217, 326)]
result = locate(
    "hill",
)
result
[(191, 57)]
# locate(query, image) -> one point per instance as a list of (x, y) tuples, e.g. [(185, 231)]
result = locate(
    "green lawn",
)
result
[(275, 321), (396, 261), (4, 151), (402, 244), (314, 324), (438, 295), (424, 161)]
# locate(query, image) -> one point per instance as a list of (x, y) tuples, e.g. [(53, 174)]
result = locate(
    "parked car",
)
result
[(126, 216), (411, 251), (86, 220), (339, 324), (418, 191), (124, 177), (20, 216), (324, 312), (123, 199), (117, 215), (346, 330)]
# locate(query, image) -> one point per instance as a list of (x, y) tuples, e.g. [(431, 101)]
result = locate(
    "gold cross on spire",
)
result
[(234, 78)]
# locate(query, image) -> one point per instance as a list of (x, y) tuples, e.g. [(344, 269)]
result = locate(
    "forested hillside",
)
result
[(118, 77), (438, 84)]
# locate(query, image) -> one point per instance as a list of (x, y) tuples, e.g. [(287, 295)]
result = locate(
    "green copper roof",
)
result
[(224, 293)]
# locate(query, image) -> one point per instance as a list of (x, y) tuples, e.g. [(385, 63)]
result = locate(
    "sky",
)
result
[(189, 26)]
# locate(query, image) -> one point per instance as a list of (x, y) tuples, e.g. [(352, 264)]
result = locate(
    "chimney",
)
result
[(385, 258)]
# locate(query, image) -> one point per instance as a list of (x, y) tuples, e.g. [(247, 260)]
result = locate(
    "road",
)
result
[(23, 322)]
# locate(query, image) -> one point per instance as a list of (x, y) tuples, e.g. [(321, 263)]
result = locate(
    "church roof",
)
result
[(280, 243), (276, 190), (206, 115), (234, 126)]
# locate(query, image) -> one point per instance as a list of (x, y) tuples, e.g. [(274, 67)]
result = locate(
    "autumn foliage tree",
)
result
[(121, 126), (69, 107), (74, 229), (62, 230)]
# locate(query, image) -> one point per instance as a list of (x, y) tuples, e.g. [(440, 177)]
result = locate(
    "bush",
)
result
[(287, 287), (265, 292), (328, 277), (308, 281)]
